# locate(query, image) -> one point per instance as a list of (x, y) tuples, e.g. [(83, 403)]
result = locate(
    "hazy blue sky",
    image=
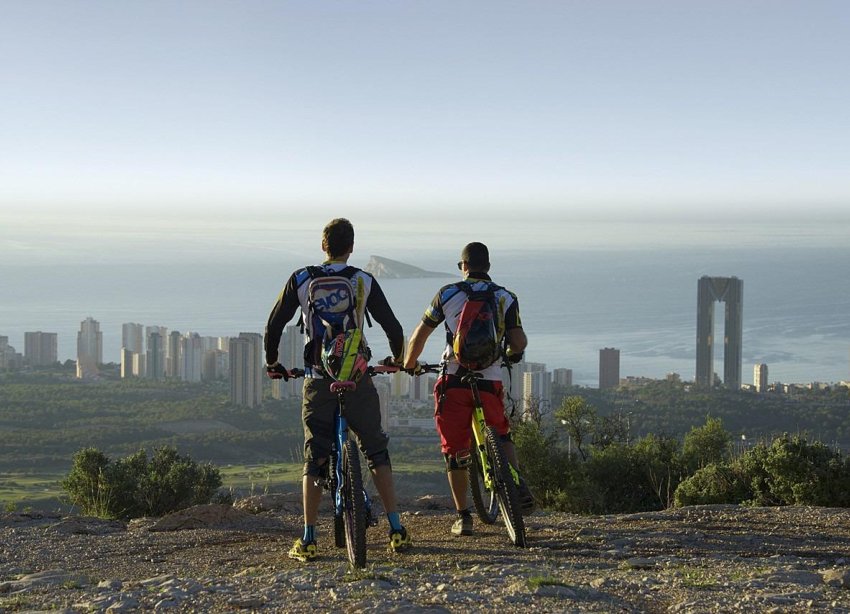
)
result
[(282, 114)]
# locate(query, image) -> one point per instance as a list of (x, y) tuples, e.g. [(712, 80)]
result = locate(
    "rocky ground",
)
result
[(221, 558)]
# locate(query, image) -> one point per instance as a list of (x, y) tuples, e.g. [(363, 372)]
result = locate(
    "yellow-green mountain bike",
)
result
[(494, 482)]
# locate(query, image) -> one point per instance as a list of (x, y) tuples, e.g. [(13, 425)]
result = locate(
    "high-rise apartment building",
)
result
[(89, 348), (290, 354), (421, 387), (40, 349), (760, 377), (133, 337), (9, 358), (609, 368), (537, 391), (514, 382), (191, 357), (155, 355), (382, 386), (127, 360), (730, 291), (132, 350), (216, 365), (173, 361), (562, 377), (247, 368)]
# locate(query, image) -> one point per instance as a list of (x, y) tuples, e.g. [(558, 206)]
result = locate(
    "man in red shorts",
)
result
[(454, 415)]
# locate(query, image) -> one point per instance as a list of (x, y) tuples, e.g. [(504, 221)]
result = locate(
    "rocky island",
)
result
[(385, 268)]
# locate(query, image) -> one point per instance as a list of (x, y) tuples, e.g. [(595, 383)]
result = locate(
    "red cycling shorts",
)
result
[(454, 419)]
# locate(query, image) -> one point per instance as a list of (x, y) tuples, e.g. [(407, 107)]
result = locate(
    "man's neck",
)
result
[(343, 259)]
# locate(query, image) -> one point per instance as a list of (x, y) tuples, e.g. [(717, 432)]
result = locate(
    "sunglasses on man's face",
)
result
[(460, 265)]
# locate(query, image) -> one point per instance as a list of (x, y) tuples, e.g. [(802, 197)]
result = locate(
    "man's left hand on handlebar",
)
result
[(277, 371)]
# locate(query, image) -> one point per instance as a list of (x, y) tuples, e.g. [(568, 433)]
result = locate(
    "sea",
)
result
[(573, 302)]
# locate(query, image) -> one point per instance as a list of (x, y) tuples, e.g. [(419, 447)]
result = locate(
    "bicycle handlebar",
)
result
[(371, 370), (425, 367)]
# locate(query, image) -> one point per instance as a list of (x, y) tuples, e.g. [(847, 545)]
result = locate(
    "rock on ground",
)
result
[(217, 559)]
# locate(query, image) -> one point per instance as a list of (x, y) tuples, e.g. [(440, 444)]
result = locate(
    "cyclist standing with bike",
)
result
[(319, 402), (453, 398)]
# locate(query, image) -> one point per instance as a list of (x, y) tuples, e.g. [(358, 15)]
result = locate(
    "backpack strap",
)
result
[(312, 272), (360, 296)]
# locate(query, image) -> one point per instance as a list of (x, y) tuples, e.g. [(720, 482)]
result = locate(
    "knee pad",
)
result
[(459, 460), (379, 459)]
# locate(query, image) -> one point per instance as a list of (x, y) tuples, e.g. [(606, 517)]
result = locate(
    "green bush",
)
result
[(136, 486), (705, 445), (803, 473), (658, 472), (790, 471), (712, 484), (617, 481)]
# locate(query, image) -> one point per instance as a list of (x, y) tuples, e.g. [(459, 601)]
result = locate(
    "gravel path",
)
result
[(217, 558)]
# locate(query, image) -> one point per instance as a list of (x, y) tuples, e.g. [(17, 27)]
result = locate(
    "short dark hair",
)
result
[(338, 237), (476, 256)]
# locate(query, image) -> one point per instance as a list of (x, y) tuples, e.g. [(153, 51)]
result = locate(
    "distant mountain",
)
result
[(393, 269)]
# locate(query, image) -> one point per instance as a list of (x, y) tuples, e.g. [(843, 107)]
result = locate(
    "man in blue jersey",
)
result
[(454, 415), (319, 405)]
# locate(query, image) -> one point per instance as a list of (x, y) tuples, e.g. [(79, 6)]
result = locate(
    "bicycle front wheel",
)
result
[(507, 491), (485, 500), (339, 525), (354, 506)]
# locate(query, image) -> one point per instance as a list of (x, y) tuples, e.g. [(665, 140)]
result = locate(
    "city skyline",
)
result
[(185, 356)]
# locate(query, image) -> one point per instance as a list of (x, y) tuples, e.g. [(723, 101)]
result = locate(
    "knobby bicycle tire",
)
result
[(486, 502), (506, 490), (339, 527), (354, 512)]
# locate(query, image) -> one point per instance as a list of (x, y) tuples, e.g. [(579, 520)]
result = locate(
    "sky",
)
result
[(125, 122)]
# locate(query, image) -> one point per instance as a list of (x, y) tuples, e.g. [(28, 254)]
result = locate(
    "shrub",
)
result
[(557, 480), (712, 484), (135, 486), (705, 445), (802, 473), (790, 471)]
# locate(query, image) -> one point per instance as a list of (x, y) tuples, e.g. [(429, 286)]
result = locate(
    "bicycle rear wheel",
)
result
[(507, 492), (354, 505), (486, 502)]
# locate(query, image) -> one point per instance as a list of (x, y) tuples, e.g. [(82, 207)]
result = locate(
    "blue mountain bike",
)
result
[(344, 479)]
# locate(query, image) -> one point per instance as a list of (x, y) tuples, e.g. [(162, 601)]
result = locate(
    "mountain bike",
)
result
[(494, 482), (344, 479)]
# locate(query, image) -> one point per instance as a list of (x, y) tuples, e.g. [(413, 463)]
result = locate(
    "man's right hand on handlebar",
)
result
[(421, 368), (277, 371)]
